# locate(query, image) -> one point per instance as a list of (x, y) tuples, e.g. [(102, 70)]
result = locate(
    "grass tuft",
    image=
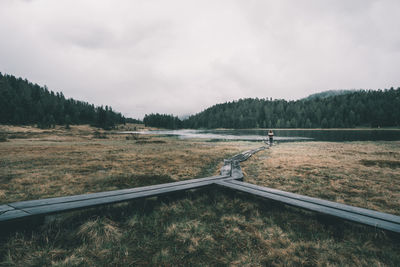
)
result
[(3, 137), (99, 231), (393, 164)]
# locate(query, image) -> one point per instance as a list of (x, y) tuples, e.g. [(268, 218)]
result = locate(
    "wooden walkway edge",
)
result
[(364, 216), (231, 173), (24, 209)]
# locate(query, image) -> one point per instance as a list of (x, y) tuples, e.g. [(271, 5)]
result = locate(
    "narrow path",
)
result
[(230, 177)]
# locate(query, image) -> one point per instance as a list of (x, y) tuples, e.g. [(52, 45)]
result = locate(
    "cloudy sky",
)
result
[(181, 56)]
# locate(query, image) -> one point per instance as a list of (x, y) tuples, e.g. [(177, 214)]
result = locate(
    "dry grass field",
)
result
[(364, 174), (201, 228), (38, 163)]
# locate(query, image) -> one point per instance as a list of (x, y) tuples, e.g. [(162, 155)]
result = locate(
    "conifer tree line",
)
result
[(162, 121), (22, 102), (364, 108)]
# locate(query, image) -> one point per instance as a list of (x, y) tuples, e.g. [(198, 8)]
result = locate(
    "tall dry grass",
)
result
[(364, 174)]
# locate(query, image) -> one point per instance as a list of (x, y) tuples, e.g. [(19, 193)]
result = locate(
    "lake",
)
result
[(283, 135)]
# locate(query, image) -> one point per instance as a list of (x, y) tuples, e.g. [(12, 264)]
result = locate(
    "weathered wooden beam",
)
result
[(39, 202), (4, 208), (331, 204), (13, 215), (67, 206), (376, 222), (22, 209)]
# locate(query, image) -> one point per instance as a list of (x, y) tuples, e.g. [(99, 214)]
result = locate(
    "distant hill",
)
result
[(22, 102), (329, 93), (361, 108)]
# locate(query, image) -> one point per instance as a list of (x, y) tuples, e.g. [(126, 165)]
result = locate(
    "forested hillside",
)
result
[(355, 109), (22, 102)]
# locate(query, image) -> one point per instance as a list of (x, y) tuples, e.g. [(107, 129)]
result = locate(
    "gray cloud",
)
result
[(182, 56)]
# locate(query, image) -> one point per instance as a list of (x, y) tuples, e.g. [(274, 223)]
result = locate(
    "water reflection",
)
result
[(221, 135), (283, 135)]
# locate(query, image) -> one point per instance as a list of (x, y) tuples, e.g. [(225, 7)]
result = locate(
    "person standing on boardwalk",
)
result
[(270, 137)]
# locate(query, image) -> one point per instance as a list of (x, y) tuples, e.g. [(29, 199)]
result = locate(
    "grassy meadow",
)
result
[(195, 228), (38, 163), (363, 174)]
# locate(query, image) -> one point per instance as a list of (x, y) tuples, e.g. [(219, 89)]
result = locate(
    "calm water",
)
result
[(285, 135)]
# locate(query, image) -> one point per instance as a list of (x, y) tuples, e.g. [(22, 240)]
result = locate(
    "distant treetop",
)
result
[(330, 93)]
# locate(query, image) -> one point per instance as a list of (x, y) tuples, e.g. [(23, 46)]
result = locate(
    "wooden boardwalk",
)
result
[(231, 173), (24, 209), (359, 215)]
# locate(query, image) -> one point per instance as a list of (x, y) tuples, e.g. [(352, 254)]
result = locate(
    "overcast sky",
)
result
[(180, 57)]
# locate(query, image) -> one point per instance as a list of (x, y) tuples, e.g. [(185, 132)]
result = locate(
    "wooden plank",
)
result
[(331, 204), (13, 214), (47, 201), (79, 203), (4, 208), (247, 154), (350, 216), (52, 205), (232, 165), (66, 206)]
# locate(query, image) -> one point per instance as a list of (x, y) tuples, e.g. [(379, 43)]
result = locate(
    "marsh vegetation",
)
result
[(203, 227)]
